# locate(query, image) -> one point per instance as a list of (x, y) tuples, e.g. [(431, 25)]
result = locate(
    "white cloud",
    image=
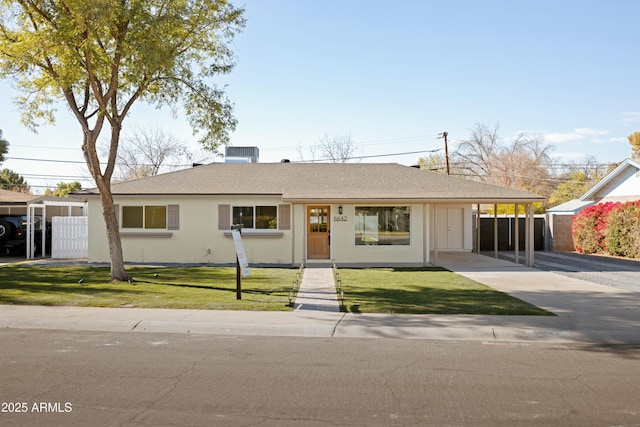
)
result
[(617, 139), (630, 117), (579, 134)]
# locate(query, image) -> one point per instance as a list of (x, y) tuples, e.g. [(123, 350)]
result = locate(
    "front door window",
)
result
[(319, 232)]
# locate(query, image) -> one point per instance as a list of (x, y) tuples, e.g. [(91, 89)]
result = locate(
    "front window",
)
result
[(382, 225), (146, 217), (256, 217)]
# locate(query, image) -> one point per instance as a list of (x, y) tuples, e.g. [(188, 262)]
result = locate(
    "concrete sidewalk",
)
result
[(585, 312)]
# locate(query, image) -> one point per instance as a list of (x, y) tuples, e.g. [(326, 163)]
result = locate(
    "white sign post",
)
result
[(240, 253), (241, 259)]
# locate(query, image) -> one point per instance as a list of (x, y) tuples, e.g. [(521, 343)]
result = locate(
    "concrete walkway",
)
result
[(317, 291)]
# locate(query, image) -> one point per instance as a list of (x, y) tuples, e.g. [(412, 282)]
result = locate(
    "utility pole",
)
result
[(446, 148)]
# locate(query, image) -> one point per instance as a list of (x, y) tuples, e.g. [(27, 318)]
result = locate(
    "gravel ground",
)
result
[(616, 272)]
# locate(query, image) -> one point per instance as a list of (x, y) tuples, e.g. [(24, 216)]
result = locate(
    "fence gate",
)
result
[(69, 237)]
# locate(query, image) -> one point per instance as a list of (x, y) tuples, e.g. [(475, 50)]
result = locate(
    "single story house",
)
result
[(621, 185), (353, 213)]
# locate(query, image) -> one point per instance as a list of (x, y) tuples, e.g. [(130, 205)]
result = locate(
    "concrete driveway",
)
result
[(619, 273), (10, 259)]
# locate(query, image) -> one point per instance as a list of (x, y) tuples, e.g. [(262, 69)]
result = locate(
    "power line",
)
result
[(371, 156), (45, 160), (401, 140), (45, 147)]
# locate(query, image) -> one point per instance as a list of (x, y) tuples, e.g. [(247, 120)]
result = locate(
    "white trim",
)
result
[(252, 232), (588, 196)]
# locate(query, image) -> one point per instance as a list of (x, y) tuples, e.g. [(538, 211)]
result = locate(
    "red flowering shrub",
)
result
[(589, 227), (623, 230)]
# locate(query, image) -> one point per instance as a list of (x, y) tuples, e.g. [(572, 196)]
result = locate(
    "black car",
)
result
[(13, 234)]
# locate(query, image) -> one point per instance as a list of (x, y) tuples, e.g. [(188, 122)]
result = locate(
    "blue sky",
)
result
[(396, 74)]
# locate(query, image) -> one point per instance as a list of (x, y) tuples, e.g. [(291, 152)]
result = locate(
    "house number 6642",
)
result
[(340, 218)]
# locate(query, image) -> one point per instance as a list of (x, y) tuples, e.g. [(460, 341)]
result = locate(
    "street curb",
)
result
[(306, 324)]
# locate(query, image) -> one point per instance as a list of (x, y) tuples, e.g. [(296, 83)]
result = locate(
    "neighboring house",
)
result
[(559, 220), (357, 214), (620, 185)]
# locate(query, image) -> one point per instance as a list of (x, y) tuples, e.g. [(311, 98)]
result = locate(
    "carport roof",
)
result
[(320, 182), (16, 198)]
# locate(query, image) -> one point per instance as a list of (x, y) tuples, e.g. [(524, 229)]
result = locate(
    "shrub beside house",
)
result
[(608, 228), (604, 219)]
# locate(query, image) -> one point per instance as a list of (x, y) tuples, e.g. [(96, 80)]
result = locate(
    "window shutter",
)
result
[(224, 217), (173, 217), (284, 217), (117, 209)]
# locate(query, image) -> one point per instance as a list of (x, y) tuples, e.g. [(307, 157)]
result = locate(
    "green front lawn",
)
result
[(379, 290), (211, 288), (425, 291)]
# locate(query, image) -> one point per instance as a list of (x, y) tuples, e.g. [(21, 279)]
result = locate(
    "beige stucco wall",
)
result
[(197, 241), (436, 232), (344, 249)]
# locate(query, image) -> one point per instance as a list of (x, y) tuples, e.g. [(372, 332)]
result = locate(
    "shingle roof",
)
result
[(572, 206), (14, 197), (319, 181)]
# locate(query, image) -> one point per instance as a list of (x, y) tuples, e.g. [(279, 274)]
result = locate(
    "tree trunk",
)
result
[(117, 270), (103, 182)]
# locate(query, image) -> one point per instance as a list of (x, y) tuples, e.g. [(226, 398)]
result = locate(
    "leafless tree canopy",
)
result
[(149, 151), (335, 149), (523, 163)]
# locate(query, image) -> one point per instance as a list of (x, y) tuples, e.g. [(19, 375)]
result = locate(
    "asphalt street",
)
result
[(79, 378)]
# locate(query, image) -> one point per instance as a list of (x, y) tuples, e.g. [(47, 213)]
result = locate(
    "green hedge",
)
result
[(623, 231)]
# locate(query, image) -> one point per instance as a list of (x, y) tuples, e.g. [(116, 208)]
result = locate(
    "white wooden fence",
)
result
[(69, 237)]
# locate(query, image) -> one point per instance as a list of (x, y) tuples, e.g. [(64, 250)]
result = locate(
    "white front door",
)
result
[(449, 228)]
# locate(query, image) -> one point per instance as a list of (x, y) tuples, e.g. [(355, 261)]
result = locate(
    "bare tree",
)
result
[(149, 151), (524, 163), (592, 169), (478, 154), (335, 149)]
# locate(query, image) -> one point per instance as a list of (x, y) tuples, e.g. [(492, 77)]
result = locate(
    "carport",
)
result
[(38, 208), (529, 248)]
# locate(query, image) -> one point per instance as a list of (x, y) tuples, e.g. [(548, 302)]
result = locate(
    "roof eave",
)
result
[(329, 200), (588, 196)]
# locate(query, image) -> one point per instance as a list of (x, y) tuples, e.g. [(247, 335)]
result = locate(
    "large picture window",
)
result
[(145, 217), (256, 217), (382, 225)]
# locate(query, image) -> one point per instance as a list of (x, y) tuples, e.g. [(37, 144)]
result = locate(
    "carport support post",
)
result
[(478, 228), (528, 237), (495, 231), (517, 233), (435, 235), (532, 242)]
